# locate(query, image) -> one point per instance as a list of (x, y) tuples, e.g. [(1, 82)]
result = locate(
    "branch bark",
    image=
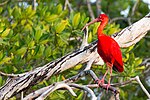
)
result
[(90, 9), (125, 38)]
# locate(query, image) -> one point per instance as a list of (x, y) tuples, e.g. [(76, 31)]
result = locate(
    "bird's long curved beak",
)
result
[(93, 21)]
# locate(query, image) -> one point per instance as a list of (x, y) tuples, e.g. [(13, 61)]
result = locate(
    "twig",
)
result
[(16, 85), (9, 75), (98, 7), (117, 18), (34, 4), (129, 81), (143, 88), (95, 78), (145, 62), (133, 12), (117, 96), (85, 38), (55, 87), (69, 6), (93, 97), (3, 3), (134, 7), (90, 9), (22, 95)]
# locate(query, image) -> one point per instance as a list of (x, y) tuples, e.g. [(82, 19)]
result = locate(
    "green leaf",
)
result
[(1, 55), (59, 8), (14, 24), (51, 18), (1, 9), (15, 69), (38, 34), (48, 51), (78, 67), (23, 21), (140, 68), (95, 28), (31, 44), (80, 96), (16, 12), (44, 41), (138, 61), (21, 51), (5, 60), (130, 48), (90, 37), (76, 20), (29, 12), (5, 33), (61, 26), (1, 80)]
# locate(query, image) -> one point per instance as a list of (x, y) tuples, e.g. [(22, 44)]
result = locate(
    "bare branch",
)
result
[(143, 88), (93, 97), (9, 75), (25, 80), (34, 4), (90, 9), (134, 7), (130, 36), (69, 6), (55, 87), (98, 6), (1, 4), (85, 38), (129, 81), (117, 18)]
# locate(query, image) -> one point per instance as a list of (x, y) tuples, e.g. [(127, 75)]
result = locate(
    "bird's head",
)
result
[(101, 18)]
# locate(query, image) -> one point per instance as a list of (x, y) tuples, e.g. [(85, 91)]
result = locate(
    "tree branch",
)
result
[(3, 3), (98, 7), (90, 9), (133, 79), (69, 6), (25, 80)]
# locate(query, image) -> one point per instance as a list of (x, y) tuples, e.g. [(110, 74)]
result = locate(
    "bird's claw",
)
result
[(107, 86), (100, 82)]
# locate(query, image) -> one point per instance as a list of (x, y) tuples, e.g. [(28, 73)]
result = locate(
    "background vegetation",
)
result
[(31, 36)]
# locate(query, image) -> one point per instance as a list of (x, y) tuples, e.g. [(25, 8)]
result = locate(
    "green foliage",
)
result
[(29, 39)]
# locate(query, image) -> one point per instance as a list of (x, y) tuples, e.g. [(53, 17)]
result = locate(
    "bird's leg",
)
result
[(103, 79), (110, 69)]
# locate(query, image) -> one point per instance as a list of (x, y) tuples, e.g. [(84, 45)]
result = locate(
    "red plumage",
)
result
[(110, 52), (107, 48)]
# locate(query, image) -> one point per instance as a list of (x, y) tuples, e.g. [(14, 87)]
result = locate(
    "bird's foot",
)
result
[(107, 86), (100, 82)]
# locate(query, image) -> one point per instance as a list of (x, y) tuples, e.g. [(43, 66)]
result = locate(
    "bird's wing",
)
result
[(116, 56)]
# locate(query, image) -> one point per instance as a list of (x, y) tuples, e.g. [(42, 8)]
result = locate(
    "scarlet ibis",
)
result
[(107, 48)]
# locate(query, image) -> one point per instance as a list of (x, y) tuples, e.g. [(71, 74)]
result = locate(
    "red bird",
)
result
[(108, 49)]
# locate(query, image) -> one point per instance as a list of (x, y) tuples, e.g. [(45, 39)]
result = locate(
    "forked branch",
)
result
[(125, 38)]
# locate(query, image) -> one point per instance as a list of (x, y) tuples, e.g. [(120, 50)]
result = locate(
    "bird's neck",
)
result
[(101, 28)]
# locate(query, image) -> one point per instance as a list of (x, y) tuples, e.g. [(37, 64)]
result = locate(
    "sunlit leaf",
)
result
[(21, 51), (38, 34), (5, 33), (76, 20), (59, 8), (140, 68), (5, 60), (78, 67), (51, 18), (61, 26)]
